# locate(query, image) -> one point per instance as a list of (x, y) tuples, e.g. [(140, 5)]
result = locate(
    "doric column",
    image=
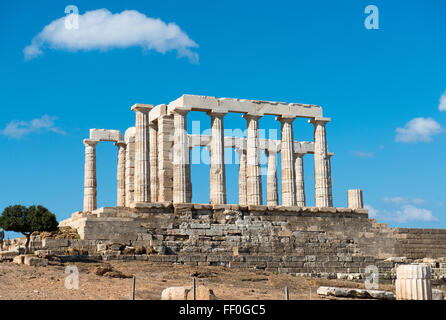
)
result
[(300, 184), (242, 177), (129, 139), (153, 150), (355, 199), (321, 164), (180, 157), (253, 173), (142, 165), (287, 156), (165, 158), (90, 182), (217, 170), (121, 173), (271, 185), (329, 155)]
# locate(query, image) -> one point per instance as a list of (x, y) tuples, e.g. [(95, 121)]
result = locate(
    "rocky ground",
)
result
[(114, 281)]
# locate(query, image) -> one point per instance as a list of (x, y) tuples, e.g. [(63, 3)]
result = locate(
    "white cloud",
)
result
[(102, 30), (418, 130), (363, 154), (442, 104), (395, 200), (17, 129), (373, 213), (410, 213), (418, 200)]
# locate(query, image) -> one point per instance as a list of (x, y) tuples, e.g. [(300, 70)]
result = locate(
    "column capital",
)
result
[(139, 107), (285, 118), (90, 142), (120, 144), (217, 113), (319, 120), (249, 116), (179, 111)]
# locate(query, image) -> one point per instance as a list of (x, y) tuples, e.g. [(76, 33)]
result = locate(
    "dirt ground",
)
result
[(34, 283)]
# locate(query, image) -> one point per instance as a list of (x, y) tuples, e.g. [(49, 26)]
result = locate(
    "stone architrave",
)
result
[(121, 173), (180, 157), (90, 182), (271, 179), (287, 157), (253, 172), (321, 164), (142, 165), (217, 165)]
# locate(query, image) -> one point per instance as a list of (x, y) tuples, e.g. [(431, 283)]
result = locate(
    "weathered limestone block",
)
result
[(413, 282), (175, 293), (201, 293), (105, 135), (355, 293), (35, 261)]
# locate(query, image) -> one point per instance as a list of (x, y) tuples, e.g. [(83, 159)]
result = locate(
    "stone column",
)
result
[(271, 178), (142, 165), (120, 199), (153, 151), (253, 172), (90, 182), (129, 138), (321, 164), (287, 156), (300, 183), (242, 200), (180, 157), (413, 282), (165, 158), (355, 199), (217, 165)]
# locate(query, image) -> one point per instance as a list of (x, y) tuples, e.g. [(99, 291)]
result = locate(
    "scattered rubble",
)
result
[(356, 293)]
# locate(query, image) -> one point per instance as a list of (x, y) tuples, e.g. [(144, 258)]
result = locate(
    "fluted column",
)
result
[(300, 183), (217, 165), (271, 178), (165, 158), (253, 173), (242, 177), (90, 182), (120, 199), (153, 151), (180, 157), (142, 165), (321, 164), (355, 199), (129, 138), (287, 156)]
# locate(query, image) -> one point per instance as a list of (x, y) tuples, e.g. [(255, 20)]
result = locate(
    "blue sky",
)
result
[(381, 87)]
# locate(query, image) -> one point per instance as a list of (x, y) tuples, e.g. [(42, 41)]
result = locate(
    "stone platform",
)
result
[(285, 239)]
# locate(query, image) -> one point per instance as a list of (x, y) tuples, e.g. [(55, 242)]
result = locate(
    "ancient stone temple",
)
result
[(280, 233), (154, 156)]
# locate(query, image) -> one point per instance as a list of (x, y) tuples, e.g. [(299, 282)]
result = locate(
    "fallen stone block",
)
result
[(175, 293), (8, 255), (19, 259), (186, 293), (35, 261), (437, 294), (355, 293)]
